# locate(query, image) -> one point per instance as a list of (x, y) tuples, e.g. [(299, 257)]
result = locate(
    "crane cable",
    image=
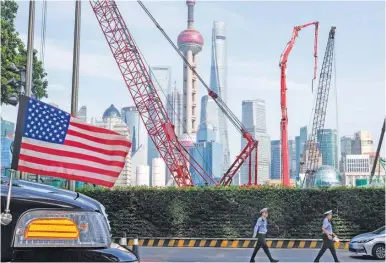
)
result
[(223, 106)]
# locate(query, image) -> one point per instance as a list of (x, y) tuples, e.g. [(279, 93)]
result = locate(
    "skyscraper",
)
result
[(130, 116), (218, 82), (363, 142), (190, 42), (254, 120), (292, 157), (275, 160), (207, 153), (82, 114), (112, 121), (161, 78), (297, 145), (208, 114), (174, 109), (346, 148), (302, 140), (328, 146)]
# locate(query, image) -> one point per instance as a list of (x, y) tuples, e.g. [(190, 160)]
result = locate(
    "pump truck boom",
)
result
[(252, 144), (145, 96), (283, 95)]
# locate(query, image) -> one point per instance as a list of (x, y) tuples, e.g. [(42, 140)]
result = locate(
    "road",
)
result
[(161, 254)]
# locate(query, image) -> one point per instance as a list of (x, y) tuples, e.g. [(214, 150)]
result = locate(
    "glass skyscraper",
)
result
[(174, 109), (161, 78), (208, 114), (328, 146), (275, 160), (207, 153), (254, 120), (292, 157), (218, 82)]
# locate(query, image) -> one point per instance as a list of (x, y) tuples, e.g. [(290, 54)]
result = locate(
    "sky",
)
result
[(257, 33)]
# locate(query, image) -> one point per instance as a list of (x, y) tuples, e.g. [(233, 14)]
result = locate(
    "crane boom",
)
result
[(320, 108), (377, 152), (283, 95), (251, 145), (145, 96)]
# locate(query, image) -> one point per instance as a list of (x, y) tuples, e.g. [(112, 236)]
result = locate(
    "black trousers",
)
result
[(327, 244), (261, 243)]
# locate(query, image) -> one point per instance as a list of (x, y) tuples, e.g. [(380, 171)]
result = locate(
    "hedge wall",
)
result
[(232, 212)]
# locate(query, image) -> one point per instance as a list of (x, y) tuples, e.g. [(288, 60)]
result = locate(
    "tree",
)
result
[(14, 51)]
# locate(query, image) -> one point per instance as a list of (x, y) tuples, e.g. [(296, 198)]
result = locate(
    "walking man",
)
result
[(328, 238), (261, 230)]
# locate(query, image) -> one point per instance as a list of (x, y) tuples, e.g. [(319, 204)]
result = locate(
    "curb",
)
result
[(230, 243)]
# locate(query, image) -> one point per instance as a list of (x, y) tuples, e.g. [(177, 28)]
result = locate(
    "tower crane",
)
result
[(283, 95), (145, 96), (320, 109), (251, 145)]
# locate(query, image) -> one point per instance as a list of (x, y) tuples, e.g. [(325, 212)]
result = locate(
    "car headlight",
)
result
[(60, 228), (364, 240)]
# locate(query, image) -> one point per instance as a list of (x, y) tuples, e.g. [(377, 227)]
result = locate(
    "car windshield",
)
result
[(379, 231)]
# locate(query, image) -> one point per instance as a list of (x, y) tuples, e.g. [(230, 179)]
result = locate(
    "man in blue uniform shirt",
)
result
[(261, 230), (328, 238)]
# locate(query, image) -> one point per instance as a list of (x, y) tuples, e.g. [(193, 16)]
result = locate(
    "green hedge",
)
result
[(231, 212)]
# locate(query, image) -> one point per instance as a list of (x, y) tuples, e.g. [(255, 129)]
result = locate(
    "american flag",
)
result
[(49, 141)]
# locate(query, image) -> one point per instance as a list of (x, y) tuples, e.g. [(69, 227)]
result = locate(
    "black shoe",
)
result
[(274, 260), (252, 260)]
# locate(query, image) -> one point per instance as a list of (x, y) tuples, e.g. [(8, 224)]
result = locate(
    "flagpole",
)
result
[(30, 48), (75, 70)]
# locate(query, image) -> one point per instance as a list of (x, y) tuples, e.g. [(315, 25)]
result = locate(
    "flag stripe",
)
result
[(74, 160), (97, 140), (82, 146), (66, 166), (66, 174), (65, 150), (96, 145), (97, 134), (77, 123)]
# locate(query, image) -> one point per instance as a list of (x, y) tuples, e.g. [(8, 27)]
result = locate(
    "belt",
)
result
[(263, 233)]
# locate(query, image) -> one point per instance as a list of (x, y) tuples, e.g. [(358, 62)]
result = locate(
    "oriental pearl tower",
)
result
[(190, 42)]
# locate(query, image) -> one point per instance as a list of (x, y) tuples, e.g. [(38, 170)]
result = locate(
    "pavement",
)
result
[(195, 254)]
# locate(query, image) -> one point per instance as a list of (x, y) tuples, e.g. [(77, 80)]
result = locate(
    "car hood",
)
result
[(39, 192), (366, 235)]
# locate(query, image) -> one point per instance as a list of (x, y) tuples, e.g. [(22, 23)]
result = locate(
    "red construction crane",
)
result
[(251, 146), (145, 96), (149, 105), (283, 95)]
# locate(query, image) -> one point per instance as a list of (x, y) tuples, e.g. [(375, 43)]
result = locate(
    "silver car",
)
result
[(370, 244)]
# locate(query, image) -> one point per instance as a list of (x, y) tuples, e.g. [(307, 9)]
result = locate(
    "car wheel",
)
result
[(379, 251)]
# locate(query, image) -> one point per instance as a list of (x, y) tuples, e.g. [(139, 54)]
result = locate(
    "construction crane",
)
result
[(377, 153), (320, 109), (149, 105), (251, 145), (283, 95), (144, 94)]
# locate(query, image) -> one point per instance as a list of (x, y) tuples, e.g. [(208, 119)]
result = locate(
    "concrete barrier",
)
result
[(229, 243)]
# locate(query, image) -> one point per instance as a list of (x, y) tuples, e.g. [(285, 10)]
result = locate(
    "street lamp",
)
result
[(18, 85)]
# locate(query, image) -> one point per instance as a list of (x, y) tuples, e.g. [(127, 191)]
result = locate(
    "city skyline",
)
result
[(250, 77)]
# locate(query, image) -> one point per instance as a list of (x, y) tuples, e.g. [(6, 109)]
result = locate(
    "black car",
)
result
[(55, 225)]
